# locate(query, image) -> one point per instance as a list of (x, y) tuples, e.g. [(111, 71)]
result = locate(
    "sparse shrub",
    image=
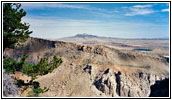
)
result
[(36, 85), (37, 91), (20, 83)]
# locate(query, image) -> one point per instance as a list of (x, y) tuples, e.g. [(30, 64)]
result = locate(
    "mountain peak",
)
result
[(85, 35)]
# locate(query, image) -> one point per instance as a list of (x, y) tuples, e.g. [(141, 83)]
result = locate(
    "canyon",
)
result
[(96, 70)]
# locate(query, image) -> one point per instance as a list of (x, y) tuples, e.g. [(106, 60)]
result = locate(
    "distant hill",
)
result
[(123, 43), (84, 35)]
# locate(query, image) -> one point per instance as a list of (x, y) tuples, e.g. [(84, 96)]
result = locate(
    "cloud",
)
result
[(94, 10), (139, 11), (142, 6), (63, 5), (138, 6), (165, 10), (52, 5)]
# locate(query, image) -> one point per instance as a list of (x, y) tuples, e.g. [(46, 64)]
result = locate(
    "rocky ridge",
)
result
[(94, 71)]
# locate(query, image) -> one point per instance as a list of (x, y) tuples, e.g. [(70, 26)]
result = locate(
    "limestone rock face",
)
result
[(9, 88), (94, 70), (108, 83), (114, 84)]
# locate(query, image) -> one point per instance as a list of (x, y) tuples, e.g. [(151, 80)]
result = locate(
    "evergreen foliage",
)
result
[(14, 31), (33, 70)]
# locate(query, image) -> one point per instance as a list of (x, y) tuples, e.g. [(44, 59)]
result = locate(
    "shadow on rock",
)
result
[(160, 89)]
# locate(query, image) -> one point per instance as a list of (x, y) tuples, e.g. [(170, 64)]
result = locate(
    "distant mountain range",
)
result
[(85, 35)]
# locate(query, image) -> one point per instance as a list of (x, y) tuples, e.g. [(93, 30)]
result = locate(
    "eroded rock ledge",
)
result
[(118, 84)]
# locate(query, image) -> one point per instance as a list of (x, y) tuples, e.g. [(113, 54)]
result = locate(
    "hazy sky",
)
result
[(124, 20)]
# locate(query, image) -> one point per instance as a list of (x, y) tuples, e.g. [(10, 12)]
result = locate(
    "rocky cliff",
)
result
[(94, 71)]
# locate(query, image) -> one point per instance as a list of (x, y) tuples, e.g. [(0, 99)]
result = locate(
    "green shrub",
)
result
[(20, 83), (42, 68), (36, 92), (10, 65), (35, 85)]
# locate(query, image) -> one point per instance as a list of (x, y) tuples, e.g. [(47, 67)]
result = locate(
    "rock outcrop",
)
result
[(118, 84), (9, 88)]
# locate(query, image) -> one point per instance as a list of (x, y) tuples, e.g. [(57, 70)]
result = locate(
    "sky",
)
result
[(122, 20)]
